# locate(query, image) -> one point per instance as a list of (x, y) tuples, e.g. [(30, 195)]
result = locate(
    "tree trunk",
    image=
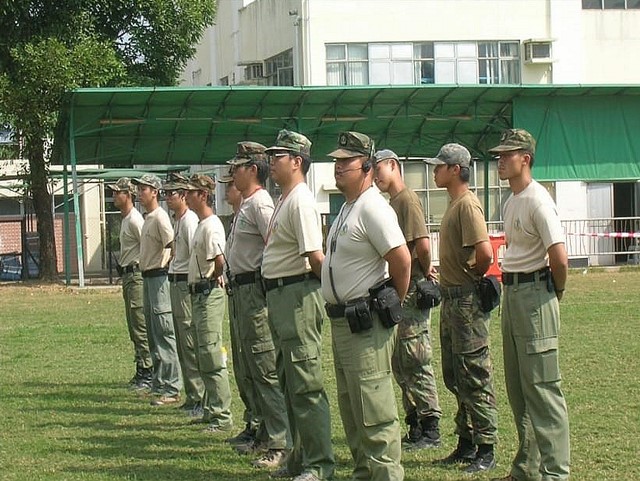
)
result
[(42, 206)]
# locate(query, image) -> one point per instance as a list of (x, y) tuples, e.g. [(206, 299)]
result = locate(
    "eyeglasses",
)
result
[(170, 193), (281, 153)]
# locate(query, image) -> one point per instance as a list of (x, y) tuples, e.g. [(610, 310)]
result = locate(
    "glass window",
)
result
[(633, 4), (592, 4), (445, 71), (379, 51), (279, 69), (358, 51), (415, 175), (467, 71), (466, 50), (614, 4), (444, 50), (336, 52), (401, 51), (347, 64)]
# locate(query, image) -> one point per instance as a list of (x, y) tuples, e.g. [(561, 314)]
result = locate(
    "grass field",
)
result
[(66, 413)]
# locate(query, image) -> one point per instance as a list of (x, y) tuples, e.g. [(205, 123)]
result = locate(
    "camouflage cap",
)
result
[(201, 182), (353, 144), (515, 139), (176, 181), (291, 141), (385, 154), (225, 179), (248, 152), (151, 180), (123, 184), (451, 154)]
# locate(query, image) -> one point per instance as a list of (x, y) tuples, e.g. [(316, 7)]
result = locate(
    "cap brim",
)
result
[(141, 182), (345, 154), (503, 148), (238, 161), (113, 187), (174, 186), (225, 180), (434, 161), (276, 148)]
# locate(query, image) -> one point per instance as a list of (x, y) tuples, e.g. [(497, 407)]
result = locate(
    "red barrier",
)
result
[(497, 242)]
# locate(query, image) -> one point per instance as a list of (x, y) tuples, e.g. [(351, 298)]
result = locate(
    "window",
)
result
[(347, 64), (279, 69), (253, 71), (224, 81), (610, 4), (424, 63)]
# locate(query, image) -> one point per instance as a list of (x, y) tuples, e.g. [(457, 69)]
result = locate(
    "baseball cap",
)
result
[(291, 141), (123, 184), (353, 144), (176, 181), (515, 139), (201, 182), (225, 179), (248, 152), (151, 180), (451, 154), (385, 154)]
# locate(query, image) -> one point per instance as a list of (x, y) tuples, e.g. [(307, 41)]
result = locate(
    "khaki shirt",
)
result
[(184, 228), (208, 243), (408, 208), (130, 233), (462, 227), (532, 225), (362, 234), (294, 230), (157, 233), (249, 233)]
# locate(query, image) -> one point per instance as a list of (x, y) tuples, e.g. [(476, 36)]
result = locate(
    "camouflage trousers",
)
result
[(467, 368), (411, 361)]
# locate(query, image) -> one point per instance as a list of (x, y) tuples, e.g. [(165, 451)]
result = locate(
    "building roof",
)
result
[(168, 126)]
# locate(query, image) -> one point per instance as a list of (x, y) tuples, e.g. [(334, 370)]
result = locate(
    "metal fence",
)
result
[(590, 242)]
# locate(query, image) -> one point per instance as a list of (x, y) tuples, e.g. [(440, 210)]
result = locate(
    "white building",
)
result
[(379, 42)]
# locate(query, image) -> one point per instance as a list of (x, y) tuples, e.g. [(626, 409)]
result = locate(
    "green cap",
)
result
[(123, 184), (248, 152), (353, 144), (292, 142), (151, 180), (176, 181), (201, 182), (515, 139), (451, 154)]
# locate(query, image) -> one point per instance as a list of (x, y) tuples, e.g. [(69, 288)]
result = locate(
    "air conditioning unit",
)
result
[(538, 51)]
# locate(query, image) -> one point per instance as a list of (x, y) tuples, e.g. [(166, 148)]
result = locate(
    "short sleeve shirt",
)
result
[(362, 234), (208, 243), (184, 228), (130, 233), (408, 208), (249, 233), (157, 233), (462, 227), (531, 225), (294, 230)]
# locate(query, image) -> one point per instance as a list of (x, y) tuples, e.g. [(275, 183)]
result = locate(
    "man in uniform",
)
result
[(155, 252), (465, 255), (129, 269), (291, 268), (534, 275), (412, 354), (248, 304), (185, 222), (206, 265), (364, 246)]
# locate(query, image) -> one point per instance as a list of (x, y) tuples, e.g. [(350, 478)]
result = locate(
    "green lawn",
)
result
[(66, 413)]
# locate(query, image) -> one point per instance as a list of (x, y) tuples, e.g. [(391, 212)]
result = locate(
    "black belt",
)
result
[(203, 287), (130, 269), (178, 277), (509, 278), (270, 284), (457, 291), (334, 310), (154, 273), (246, 278)]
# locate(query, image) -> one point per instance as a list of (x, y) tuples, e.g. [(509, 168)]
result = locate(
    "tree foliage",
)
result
[(48, 47)]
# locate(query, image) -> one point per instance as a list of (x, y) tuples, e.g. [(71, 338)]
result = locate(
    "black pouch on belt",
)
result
[(358, 315), (386, 302)]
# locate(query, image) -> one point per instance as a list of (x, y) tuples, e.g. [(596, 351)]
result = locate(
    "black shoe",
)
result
[(247, 436), (465, 452), (482, 462)]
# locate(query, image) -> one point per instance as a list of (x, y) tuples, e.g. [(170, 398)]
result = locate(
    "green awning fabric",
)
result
[(187, 126), (583, 138)]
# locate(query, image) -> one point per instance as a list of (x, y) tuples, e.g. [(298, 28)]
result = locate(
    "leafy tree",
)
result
[(48, 47)]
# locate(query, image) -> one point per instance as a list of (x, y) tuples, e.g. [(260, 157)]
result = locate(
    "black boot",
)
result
[(465, 452), (484, 461), (430, 432), (144, 378), (136, 377), (414, 432)]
